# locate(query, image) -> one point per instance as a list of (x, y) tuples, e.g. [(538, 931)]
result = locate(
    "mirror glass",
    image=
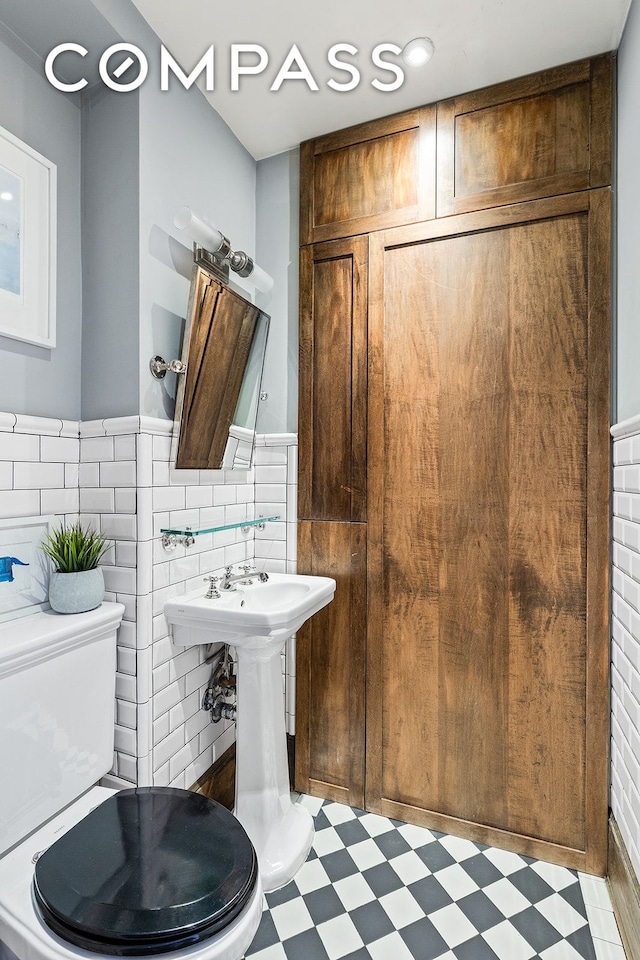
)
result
[(217, 401)]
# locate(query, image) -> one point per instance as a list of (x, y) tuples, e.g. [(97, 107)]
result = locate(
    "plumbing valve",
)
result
[(221, 688), (218, 706)]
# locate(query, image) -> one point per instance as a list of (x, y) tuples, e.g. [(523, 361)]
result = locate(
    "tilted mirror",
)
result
[(217, 401)]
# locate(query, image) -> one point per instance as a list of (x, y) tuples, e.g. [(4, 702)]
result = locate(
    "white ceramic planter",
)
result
[(76, 592)]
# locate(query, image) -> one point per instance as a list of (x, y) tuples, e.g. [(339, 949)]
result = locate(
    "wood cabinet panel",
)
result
[(547, 530), (597, 527), (333, 359), (472, 536), (330, 685), (372, 176), (534, 137), (481, 372), (342, 193)]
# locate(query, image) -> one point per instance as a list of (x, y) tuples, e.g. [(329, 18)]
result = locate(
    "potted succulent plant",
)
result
[(76, 584)]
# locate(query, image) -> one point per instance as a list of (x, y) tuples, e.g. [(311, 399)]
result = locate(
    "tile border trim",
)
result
[(40, 426), (119, 426), (626, 428), (279, 439)]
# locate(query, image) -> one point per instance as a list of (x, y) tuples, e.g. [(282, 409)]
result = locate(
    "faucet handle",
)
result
[(248, 570), (212, 593)]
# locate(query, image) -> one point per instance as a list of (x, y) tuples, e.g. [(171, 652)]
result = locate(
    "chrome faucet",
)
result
[(230, 579)]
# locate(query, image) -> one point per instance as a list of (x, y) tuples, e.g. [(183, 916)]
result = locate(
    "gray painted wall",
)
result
[(187, 155), (143, 156), (277, 203), (34, 380), (110, 219), (628, 215)]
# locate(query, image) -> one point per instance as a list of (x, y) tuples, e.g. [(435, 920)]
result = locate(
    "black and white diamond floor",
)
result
[(378, 889)]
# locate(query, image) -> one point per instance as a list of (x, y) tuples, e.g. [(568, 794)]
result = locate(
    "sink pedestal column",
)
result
[(281, 832)]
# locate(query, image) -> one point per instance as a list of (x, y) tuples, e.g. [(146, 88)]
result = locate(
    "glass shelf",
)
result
[(172, 536)]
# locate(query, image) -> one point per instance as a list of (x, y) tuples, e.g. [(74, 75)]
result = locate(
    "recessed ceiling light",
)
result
[(418, 52), (6, 195)]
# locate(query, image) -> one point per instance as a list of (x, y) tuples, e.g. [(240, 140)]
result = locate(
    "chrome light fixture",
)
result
[(418, 52), (215, 242)]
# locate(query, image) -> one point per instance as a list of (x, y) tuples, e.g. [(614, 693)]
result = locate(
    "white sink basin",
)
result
[(271, 611)]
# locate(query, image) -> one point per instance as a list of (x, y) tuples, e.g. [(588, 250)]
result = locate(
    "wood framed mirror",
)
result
[(217, 401)]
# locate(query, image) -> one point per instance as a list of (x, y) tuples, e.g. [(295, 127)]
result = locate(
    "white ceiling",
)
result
[(478, 42)]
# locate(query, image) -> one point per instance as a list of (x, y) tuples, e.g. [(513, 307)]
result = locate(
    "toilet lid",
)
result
[(150, 870)]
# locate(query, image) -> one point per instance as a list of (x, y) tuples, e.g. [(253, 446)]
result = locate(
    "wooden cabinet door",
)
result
[(537, 136), (333, 381), (368, 177), (488, 527), (330, 654)]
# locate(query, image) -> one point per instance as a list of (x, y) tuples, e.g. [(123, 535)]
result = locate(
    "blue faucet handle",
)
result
[(6, 568)]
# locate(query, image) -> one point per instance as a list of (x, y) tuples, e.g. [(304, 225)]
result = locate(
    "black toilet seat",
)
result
[(150, 870)]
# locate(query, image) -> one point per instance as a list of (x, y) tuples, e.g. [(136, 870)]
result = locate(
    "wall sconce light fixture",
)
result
[(212, 240)]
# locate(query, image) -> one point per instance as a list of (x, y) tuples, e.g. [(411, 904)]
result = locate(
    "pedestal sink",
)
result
[(257, 619)]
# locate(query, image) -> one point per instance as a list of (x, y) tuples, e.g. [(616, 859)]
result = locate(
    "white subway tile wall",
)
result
[(38, 470), (116, 474), (625, 646)]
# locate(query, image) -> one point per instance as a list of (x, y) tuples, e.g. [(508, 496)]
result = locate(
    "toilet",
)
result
[(87, 871)]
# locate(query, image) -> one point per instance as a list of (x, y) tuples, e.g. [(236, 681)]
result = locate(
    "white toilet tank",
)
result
[(57, 696)]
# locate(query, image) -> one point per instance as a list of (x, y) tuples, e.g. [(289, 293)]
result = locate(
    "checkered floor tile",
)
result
[(378, 889)]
